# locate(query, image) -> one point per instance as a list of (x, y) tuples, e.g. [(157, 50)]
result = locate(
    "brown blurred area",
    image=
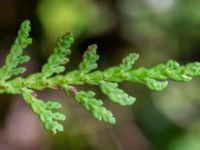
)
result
[(157, 30)]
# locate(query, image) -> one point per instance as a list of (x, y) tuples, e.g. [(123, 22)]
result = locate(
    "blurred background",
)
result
[(157, 30)]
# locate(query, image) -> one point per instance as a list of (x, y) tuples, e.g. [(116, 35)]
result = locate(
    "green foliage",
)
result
[(155, 78), (44, 111), (115, 94), (58, 58), (15, 57), (94, 106), (89, 59)]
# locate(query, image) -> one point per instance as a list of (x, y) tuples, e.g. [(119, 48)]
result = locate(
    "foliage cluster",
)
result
[(52, 76)]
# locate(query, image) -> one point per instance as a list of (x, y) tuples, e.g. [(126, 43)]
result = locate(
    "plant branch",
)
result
[(154, 78)]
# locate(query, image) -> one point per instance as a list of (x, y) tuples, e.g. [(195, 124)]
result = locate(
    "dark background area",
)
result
[(157, 30)]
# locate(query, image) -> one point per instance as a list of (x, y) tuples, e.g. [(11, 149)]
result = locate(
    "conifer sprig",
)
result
[(15, 56), (155, 78)]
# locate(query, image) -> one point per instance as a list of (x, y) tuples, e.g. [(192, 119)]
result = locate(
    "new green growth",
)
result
[(154, 78)]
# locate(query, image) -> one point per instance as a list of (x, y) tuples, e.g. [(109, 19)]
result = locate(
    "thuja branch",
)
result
[(154, 78)]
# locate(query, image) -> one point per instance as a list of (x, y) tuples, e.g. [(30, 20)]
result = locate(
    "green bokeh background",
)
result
[(157, 30)]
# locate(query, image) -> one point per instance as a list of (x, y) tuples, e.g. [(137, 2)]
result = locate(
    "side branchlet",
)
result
[(16, 57)]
